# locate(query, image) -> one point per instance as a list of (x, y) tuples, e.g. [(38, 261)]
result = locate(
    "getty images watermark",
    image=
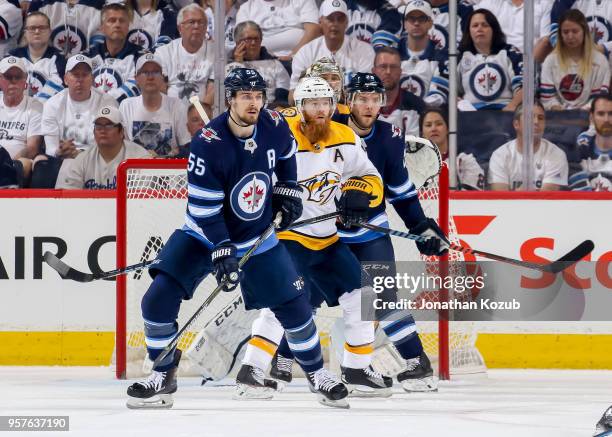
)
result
[(482, 291)]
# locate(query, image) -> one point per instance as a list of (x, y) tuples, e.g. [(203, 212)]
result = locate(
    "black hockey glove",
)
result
[(437, 244), (225, 265), (353, 207), (286, 199)]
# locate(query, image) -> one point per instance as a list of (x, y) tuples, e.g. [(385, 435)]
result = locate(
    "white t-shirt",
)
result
[(354, 56), (64, 118), (161, 131), (188, 73), (11, 22), (90, 171), (550, 165), (281, 21), (510, 18), (18, 123)]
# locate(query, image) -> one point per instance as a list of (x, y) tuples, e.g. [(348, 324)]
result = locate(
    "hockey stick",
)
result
[(195, 101), (567, 260), (215, 292), (67, 272)]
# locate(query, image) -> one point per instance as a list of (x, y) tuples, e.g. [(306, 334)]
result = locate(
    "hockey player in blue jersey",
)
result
[(385, 148), (231, 202)]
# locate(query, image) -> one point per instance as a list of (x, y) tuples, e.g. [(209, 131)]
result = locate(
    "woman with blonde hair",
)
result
[(575, 71)]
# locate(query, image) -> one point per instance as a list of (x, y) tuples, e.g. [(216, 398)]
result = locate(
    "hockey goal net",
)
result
[(151, 202)]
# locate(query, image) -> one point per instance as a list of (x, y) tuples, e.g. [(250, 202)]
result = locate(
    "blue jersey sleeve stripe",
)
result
[(203, 212), (194, 229), (403, 196), (204, 193)]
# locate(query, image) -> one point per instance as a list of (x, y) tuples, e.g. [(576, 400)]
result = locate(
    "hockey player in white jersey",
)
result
[(330, 162), (385, 148)]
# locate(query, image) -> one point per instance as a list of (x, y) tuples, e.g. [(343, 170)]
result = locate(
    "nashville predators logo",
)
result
[(321, 187)]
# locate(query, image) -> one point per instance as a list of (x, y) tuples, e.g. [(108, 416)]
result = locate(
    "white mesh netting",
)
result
[(155, 206)]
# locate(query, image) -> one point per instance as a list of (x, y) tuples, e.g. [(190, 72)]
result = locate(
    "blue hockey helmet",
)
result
[(243, 79), (365, 83)]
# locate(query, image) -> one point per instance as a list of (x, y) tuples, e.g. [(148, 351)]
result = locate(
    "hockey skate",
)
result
[(251, 383), (329, 390), (418, 375), (604, 426), (366, 383), (155, 391), (281, 368)]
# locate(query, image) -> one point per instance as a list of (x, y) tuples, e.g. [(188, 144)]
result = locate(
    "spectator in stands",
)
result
[(439, 32), (490, 70), (598, 14), (45, 64), (510, 16), (433, 124), (154, 120), (575, 71), (287, 25), (231, 11), (75, 24), (114, 59), (550, 167), (151, 27), (8, 172), (67, 120), (424, 68), (594, 170), (402, 107), (10, 25), (194, 121), (96, 168), (350, 53), (375, 22), (188, 61), (251, 54), (20, 131)]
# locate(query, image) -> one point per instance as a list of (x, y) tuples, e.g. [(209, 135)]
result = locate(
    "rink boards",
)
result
[(45, 321)]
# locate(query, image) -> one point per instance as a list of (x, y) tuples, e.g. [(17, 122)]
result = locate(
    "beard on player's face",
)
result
[(604, 128), (316, 127), (246, 115)]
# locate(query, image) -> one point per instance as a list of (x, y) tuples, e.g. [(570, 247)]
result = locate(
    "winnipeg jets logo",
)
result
[(414, 84), (600, 29), (68, 39), (321, 187), (107, 79), (397, 132), (571, 87), (208, 134), (438, 36), (248, 197), (487, 82), (141, 38)]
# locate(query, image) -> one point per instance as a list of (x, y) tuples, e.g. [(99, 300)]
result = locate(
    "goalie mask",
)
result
[(329, 70), (313, 88)]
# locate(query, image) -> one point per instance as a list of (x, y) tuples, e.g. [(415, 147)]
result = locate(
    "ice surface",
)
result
[(507, 403)]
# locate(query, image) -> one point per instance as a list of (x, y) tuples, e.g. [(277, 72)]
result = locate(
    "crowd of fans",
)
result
[(87, 83)]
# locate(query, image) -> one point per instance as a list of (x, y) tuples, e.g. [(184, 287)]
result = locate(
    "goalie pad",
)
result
[(422, 160), (220, 345)]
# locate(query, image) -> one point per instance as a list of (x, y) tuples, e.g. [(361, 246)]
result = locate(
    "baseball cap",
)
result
[(76, 60), (328, 7), (10, 62), (418, 5), (148, 57), (110, 113)]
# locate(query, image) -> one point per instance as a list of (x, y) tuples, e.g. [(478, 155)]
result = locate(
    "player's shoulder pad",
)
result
[(342, 134), (275, 117), (289, 112), (388, 132), (208, 135)]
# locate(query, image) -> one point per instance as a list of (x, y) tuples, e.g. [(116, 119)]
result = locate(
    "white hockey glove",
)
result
[(422, 160)]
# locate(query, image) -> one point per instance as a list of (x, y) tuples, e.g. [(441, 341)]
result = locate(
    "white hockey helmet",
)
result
[(313, 88)]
